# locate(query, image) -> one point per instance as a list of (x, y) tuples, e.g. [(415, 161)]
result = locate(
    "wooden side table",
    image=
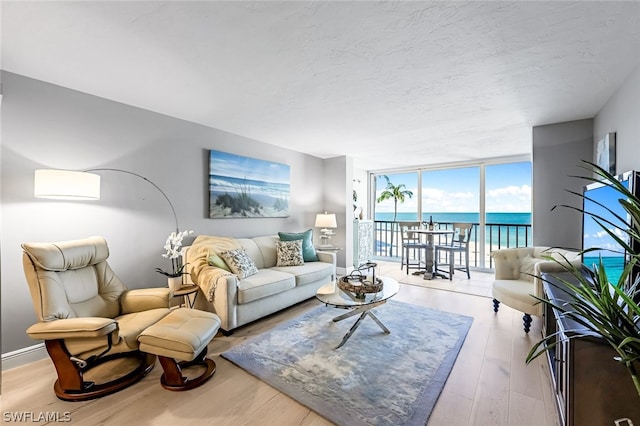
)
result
[(185, 292)]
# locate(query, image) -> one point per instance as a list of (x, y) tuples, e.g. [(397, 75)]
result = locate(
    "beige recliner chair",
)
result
[(88, 317), (518, 277)]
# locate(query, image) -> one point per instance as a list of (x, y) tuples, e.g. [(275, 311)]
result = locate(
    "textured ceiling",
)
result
[(391, 84)]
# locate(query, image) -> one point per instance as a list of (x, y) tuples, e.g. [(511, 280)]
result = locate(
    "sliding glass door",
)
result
[(494, 197)]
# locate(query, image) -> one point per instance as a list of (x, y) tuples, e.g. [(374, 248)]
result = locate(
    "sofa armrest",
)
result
[(551, 266), (72, 328), (220, 288), (144, 299), (328, 257)]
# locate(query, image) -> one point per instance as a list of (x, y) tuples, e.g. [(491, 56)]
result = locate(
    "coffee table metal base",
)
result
[(363, 311)]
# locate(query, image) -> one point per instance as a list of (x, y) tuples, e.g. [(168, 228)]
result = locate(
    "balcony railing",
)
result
[(497, 236)]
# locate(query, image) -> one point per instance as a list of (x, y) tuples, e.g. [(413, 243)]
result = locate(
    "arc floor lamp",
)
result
[(81, 185)]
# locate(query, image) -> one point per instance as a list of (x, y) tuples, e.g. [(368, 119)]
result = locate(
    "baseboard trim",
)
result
[(23, 356)]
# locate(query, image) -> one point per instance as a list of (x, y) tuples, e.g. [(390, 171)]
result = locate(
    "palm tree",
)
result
[(398, 193)]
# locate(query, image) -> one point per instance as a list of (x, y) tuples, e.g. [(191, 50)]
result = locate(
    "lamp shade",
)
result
[(326, 220), (66, 185)]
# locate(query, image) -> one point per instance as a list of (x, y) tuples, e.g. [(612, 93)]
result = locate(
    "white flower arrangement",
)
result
[(174, 249)]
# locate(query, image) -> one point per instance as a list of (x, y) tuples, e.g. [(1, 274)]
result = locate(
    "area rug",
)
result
[(375, 378)]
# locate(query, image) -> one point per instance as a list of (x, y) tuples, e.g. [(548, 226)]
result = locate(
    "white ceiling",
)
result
[(391, 84)]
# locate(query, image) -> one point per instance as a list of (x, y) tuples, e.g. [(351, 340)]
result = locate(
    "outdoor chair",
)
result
[(413, 247), (458, 245)]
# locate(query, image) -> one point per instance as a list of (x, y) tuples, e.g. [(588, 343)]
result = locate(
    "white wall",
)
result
[(46, 126), (621, 114)]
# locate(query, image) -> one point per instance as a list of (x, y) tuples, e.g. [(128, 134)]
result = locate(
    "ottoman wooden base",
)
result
[(180, 340), (172, 378)]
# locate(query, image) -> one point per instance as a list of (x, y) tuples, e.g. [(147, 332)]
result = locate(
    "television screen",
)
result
[(612, 253)]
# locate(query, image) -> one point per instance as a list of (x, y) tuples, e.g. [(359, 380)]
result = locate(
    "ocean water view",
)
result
[(502, 229), (492, 218), (613, 265)]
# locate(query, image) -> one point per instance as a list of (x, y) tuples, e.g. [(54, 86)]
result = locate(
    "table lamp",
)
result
[(326, 221)]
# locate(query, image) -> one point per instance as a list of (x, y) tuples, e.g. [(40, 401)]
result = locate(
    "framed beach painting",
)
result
[(245, 187), (606, 153)]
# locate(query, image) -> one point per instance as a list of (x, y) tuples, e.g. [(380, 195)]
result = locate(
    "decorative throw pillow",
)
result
[(308, 250), (239, 262), (289, 253), (215, 260)]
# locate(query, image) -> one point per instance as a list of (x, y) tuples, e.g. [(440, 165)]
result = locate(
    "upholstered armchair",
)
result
[(86, 316), (518, 274)]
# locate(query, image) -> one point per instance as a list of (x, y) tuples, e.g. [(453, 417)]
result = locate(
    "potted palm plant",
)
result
[(610, 310)]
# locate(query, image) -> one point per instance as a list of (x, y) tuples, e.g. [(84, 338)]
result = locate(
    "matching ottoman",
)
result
[(182, 335)]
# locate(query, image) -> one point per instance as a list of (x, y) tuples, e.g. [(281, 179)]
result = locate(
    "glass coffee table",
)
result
[(331, 295)]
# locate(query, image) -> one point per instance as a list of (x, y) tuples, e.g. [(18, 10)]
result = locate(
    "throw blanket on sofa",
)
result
[(201, 272)]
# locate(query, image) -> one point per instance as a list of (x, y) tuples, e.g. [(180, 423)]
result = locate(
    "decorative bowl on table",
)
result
[(360, 284)]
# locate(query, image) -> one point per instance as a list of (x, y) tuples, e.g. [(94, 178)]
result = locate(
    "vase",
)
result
[(175, 283)]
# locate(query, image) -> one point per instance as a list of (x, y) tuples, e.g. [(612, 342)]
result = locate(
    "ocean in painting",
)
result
[(272, 197)]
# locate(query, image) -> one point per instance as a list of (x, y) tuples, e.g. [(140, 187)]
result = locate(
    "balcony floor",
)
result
[(478, 285)]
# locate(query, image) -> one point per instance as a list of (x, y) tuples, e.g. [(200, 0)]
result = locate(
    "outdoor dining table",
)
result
[(430, 272)]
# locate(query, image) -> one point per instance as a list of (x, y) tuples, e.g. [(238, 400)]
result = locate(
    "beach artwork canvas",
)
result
[(606, 153), (245, 187)]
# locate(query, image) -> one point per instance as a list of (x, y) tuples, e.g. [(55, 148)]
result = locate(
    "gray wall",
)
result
[(621, 114), (557, 151), (337, 199), (46, 126)]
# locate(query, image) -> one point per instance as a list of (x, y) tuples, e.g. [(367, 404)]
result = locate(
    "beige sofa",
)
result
[(241, 301)]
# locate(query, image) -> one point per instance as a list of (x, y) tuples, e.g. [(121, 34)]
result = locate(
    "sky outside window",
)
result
[(508, 188), (451, 190)]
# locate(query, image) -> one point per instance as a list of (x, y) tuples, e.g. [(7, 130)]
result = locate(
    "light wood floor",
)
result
[(489, 384)]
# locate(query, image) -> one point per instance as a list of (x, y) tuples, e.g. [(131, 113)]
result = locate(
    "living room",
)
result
[(49, 126)]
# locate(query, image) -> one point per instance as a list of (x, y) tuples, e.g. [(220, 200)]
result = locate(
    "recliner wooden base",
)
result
[(71, 386)]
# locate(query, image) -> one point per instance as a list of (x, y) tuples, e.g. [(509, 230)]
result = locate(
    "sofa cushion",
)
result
[(308, 251), (289, 253), (239, 262), (265, 283), (309, 272), (261, 249)]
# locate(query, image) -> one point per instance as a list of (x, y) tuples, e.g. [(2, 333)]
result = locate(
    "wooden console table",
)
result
[(590, 387)]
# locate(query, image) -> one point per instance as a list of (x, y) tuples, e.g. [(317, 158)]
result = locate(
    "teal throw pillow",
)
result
[(308, 250)]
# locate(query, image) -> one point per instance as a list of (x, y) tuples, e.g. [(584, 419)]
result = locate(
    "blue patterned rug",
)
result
[(375, 378)]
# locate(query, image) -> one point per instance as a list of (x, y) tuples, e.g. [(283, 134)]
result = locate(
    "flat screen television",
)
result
[(614, 256)]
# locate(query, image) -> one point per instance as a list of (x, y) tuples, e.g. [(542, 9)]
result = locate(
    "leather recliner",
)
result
[(86, 316)]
